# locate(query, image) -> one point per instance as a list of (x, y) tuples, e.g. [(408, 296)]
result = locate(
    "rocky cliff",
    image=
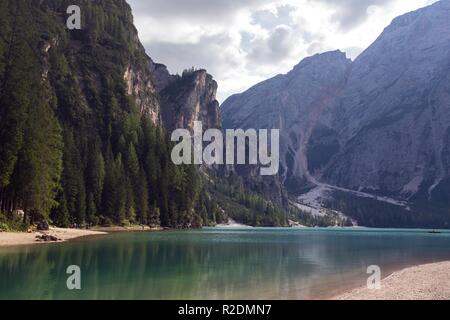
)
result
[(393, 115), (189, 98), (172, 101), (169, 100), (293, 103)]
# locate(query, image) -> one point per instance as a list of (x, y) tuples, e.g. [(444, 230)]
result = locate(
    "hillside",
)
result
[(85, 117)]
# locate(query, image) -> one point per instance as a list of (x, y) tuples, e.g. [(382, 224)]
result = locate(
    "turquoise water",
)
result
[(215, 264)]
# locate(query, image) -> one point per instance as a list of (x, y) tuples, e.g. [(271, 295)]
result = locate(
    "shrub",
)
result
[(4, 227), (11, 223)]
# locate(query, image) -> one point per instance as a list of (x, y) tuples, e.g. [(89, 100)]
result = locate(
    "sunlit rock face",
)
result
[(393, 115), (294, 103), (379, 124), (190, 98)]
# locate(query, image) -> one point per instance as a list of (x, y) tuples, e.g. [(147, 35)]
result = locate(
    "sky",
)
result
[(243, 42)]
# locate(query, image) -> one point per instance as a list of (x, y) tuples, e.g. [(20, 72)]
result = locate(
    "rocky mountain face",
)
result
[(190, 98), (180, 100), (293, 103), (393, 115), (378, 126), (169, 100)]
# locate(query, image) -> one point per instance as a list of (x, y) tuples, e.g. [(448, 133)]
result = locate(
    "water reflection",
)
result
[(213, 264)]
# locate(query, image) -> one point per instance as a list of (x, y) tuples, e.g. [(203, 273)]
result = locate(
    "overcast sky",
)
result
[(242, 42)]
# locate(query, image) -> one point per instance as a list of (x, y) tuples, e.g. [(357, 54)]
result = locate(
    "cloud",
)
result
[(277, 46), (351, 13), (217, 51), (212, 11), (269, 19), (242, 42)]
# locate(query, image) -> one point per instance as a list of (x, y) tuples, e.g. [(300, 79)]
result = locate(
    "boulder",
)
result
[(47, 238), (19, 213), (43, 226)]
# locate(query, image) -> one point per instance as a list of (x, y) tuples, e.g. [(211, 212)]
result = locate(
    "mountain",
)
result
[(85, 122), (81, 124), (292, 103), (369, 137)]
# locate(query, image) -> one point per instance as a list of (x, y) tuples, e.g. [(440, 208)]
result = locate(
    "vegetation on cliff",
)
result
[(75, 147), (78, 146)]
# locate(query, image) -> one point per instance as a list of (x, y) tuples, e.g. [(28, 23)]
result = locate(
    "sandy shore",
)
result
[(21, 238), (424, 282)]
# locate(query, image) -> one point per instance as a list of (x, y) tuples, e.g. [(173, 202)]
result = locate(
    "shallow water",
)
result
[(215, 263)]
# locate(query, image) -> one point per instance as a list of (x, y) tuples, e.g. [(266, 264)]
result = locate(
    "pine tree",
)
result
[(132, 162), (130, 207), (19, 65), (60, 215), (142, 199), (38, 171), (30, 135), (120, 191), (109, 192), (73, 179), (96, 174), (155, 216), (91, 210)]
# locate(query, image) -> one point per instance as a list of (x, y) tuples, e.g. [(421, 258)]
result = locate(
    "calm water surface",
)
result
[(215, 263)]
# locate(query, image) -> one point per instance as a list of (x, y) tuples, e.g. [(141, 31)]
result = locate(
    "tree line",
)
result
[(75, 151)]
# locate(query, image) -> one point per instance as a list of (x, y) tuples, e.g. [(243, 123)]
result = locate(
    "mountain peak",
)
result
[(322, 59), (437, 8), (427, 21)]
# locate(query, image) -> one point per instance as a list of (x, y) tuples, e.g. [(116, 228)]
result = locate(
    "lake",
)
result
[(215, 263)]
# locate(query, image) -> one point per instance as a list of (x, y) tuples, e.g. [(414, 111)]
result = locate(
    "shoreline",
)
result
[(420, 282), (12, 239), (116, 229)]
